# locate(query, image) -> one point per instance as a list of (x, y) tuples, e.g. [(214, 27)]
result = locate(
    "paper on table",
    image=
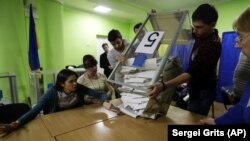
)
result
[(140, 85), (127, 69), (128, 110), (146, 74), (134, 100), (130, 104), (136, 106), (136, 80), (131, 95), (139, 91)]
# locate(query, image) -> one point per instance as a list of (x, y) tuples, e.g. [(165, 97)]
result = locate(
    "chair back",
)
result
[(11, 112)]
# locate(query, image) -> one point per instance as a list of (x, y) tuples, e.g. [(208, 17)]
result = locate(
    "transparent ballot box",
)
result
[(40, 82), (8, 88), (149, 60)]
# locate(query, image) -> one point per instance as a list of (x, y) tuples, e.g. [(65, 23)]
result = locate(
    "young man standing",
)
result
[(117, 53), (201, 74)]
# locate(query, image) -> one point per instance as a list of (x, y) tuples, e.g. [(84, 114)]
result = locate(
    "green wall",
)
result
[(228, 12), (65, 35), (81, 30), (13, 45), (52, 26)]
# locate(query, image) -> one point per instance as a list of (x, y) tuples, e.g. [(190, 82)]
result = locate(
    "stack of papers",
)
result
[(134, 101), (133, 105), (128, 69)]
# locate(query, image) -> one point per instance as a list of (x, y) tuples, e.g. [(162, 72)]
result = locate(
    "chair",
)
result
[(226, 92), (11, 112), (70, 66)]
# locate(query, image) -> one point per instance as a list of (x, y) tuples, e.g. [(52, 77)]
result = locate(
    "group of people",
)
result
[(201, 73), (70, 91), (240, 113)]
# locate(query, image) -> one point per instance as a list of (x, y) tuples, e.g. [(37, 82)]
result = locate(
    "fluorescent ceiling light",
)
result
[(102, 9)]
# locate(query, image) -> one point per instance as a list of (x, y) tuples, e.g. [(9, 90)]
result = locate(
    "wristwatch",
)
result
[(163, 86)]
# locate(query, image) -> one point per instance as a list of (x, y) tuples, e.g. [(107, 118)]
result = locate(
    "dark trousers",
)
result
[(201, 101)]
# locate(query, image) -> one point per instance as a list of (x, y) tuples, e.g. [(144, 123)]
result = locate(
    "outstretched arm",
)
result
[(158, 87)]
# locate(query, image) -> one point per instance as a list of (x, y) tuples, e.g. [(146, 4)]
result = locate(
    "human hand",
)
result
[(96, 101), (7, 128), (207, 121), (111, 107), (110, 67), (155, 89)]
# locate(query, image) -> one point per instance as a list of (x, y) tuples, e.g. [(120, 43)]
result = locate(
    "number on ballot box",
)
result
[(150, 42)]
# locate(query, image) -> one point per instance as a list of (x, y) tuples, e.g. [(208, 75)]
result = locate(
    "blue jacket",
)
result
[(240, 113), (49, 102)]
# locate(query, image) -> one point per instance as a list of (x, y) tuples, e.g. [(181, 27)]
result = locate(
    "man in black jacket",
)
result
[(104, 63)]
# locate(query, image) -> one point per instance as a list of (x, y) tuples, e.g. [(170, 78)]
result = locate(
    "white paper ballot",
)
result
[(136, 80), (145, 74), (150, 42)]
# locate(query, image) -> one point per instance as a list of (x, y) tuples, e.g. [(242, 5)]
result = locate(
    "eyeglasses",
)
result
[(240, 38)]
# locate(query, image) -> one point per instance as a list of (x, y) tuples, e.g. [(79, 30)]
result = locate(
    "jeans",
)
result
[(200, 101)]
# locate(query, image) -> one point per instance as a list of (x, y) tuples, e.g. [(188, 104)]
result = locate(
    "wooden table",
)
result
[(70, 120), (94, 123), (122, 128), (125, 128), (176, 116), (33, 131)]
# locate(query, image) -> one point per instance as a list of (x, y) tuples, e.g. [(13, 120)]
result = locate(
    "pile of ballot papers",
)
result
[(135, 102)]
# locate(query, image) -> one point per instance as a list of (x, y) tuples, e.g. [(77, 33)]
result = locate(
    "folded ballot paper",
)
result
[(134, 105), (129, 104)]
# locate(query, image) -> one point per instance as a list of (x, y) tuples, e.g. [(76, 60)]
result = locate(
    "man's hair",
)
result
[(206, 13), (113, 35), (137, 26), (104, 44)]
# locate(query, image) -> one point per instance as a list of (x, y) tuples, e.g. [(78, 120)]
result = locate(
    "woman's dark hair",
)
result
[(206, 13), (89, 61), (114, 34), (62, 76)]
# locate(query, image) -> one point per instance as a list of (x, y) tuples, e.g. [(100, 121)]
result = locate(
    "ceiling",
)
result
[(132, 10)]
